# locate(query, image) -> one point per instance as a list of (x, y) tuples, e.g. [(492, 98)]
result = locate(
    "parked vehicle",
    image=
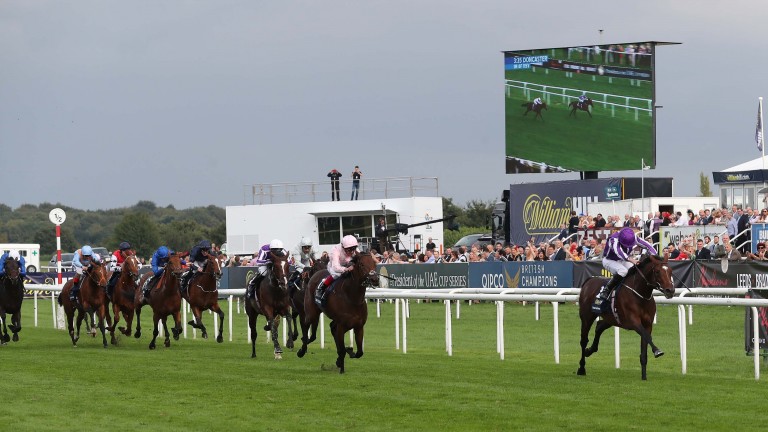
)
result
[(66, 262), (468, 240), (30, 252)]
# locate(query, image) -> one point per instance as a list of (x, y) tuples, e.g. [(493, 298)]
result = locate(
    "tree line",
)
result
[(147, 226)]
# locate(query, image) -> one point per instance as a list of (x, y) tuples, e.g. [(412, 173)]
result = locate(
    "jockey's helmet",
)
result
[(276, 244), (204, 244), (14, 254), (87, 250), (124, 246), (305, 242), (162, 252), (627, 237), (348, 242)]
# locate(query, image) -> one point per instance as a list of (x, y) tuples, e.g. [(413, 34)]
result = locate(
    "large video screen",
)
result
[(582, 108)]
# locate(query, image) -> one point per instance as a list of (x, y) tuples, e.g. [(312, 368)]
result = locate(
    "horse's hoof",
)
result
[(137, 334), (278, 356), (300, 353), (3, 343), (15, 337), (581, 372), (658, 353), (106, 345), (219, 339), (350, 351), (205, 335), (588, 352), (151, 346), (253, 355), (267, 328), (168, 343)]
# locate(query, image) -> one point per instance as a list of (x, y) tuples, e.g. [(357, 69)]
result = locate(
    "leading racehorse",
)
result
[(165, 300), (124, 296), (202, 294), (632, 307), (93, 298), (536, 108), (11, 297), (581, 106), (346, 307), (271, 300)]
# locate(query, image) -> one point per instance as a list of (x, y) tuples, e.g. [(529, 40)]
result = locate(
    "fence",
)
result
[(500, 296)]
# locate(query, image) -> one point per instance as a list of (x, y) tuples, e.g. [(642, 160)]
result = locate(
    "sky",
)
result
[(106, 103)]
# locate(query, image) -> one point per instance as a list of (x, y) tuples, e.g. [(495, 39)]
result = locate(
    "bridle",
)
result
[(654, 285)]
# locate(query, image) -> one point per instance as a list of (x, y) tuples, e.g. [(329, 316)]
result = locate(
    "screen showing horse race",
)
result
[(582, 108)]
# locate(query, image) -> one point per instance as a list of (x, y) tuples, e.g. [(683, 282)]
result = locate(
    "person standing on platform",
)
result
[(335, 175), (355, 183)]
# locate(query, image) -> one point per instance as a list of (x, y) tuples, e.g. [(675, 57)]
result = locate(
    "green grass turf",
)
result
[(607, 141), (197, 384)]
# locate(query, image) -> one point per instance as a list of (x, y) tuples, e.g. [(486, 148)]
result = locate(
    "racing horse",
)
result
[(11, 297), (529, 106), (93, 298), (581, 106), (124, 296), (271, 300), (346, 307), (165, 300), (202, 294), (632, 307), (296, 291)]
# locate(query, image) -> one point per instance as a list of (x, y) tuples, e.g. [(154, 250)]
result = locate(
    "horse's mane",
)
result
[(643, 263)]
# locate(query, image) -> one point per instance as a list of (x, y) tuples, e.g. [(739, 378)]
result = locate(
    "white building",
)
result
[(326, 222)]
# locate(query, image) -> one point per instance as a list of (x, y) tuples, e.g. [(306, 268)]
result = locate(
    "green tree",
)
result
[(140, 230), (704, 185), (218, 234), (181, 235), (478, 214)]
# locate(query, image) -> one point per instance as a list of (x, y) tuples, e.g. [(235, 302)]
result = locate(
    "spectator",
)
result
[(541, 256), (742, 225), (760, 255), (429, 256), (335, 175), (702, 253), (717, 250), (717, 217), (673, 251), (355, 182), (731, 254), (381, 234), (573, 227), (454, 256), (463, 256), (559, 253), (599, 221), (431, 245), (733, 222)]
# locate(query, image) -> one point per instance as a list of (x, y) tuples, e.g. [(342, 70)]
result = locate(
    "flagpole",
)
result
[(761, 129)]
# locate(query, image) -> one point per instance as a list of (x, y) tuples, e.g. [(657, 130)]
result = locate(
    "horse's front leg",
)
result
[(341, 350), (216, 308), (289, 323), (167, 342), (586, 325), (602, 326), (102, 317), (177, 329), (4, 338), (16, 325), (197, 321), (137, 311), (359, 332), (155, 330), (116, 313), (275, 324)]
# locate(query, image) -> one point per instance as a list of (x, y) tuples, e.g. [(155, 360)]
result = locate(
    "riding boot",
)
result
[(254, 282), (185, 279), (148, 287), (73, 293), (605, 291), (320, 291)]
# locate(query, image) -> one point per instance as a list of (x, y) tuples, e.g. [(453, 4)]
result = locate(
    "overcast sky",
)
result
[(105, 103)]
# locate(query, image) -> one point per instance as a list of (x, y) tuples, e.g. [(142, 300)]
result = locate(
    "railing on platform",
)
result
[(370, 188)]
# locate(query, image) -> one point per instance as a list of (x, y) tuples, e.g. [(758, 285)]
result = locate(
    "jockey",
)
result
[(13, 254), (197, 257), (340, 263), (537, 102), (159, 260), (617, 260), (82, 260), (302, 256), (124, 250), (262, 262), (583, 98)]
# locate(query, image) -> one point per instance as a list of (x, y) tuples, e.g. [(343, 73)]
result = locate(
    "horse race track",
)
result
[(200, 385)]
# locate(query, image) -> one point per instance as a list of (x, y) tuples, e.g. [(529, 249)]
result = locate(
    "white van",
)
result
[(30, 252)]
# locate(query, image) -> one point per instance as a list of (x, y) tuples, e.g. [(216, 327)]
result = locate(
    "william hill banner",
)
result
[(538, 209)]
